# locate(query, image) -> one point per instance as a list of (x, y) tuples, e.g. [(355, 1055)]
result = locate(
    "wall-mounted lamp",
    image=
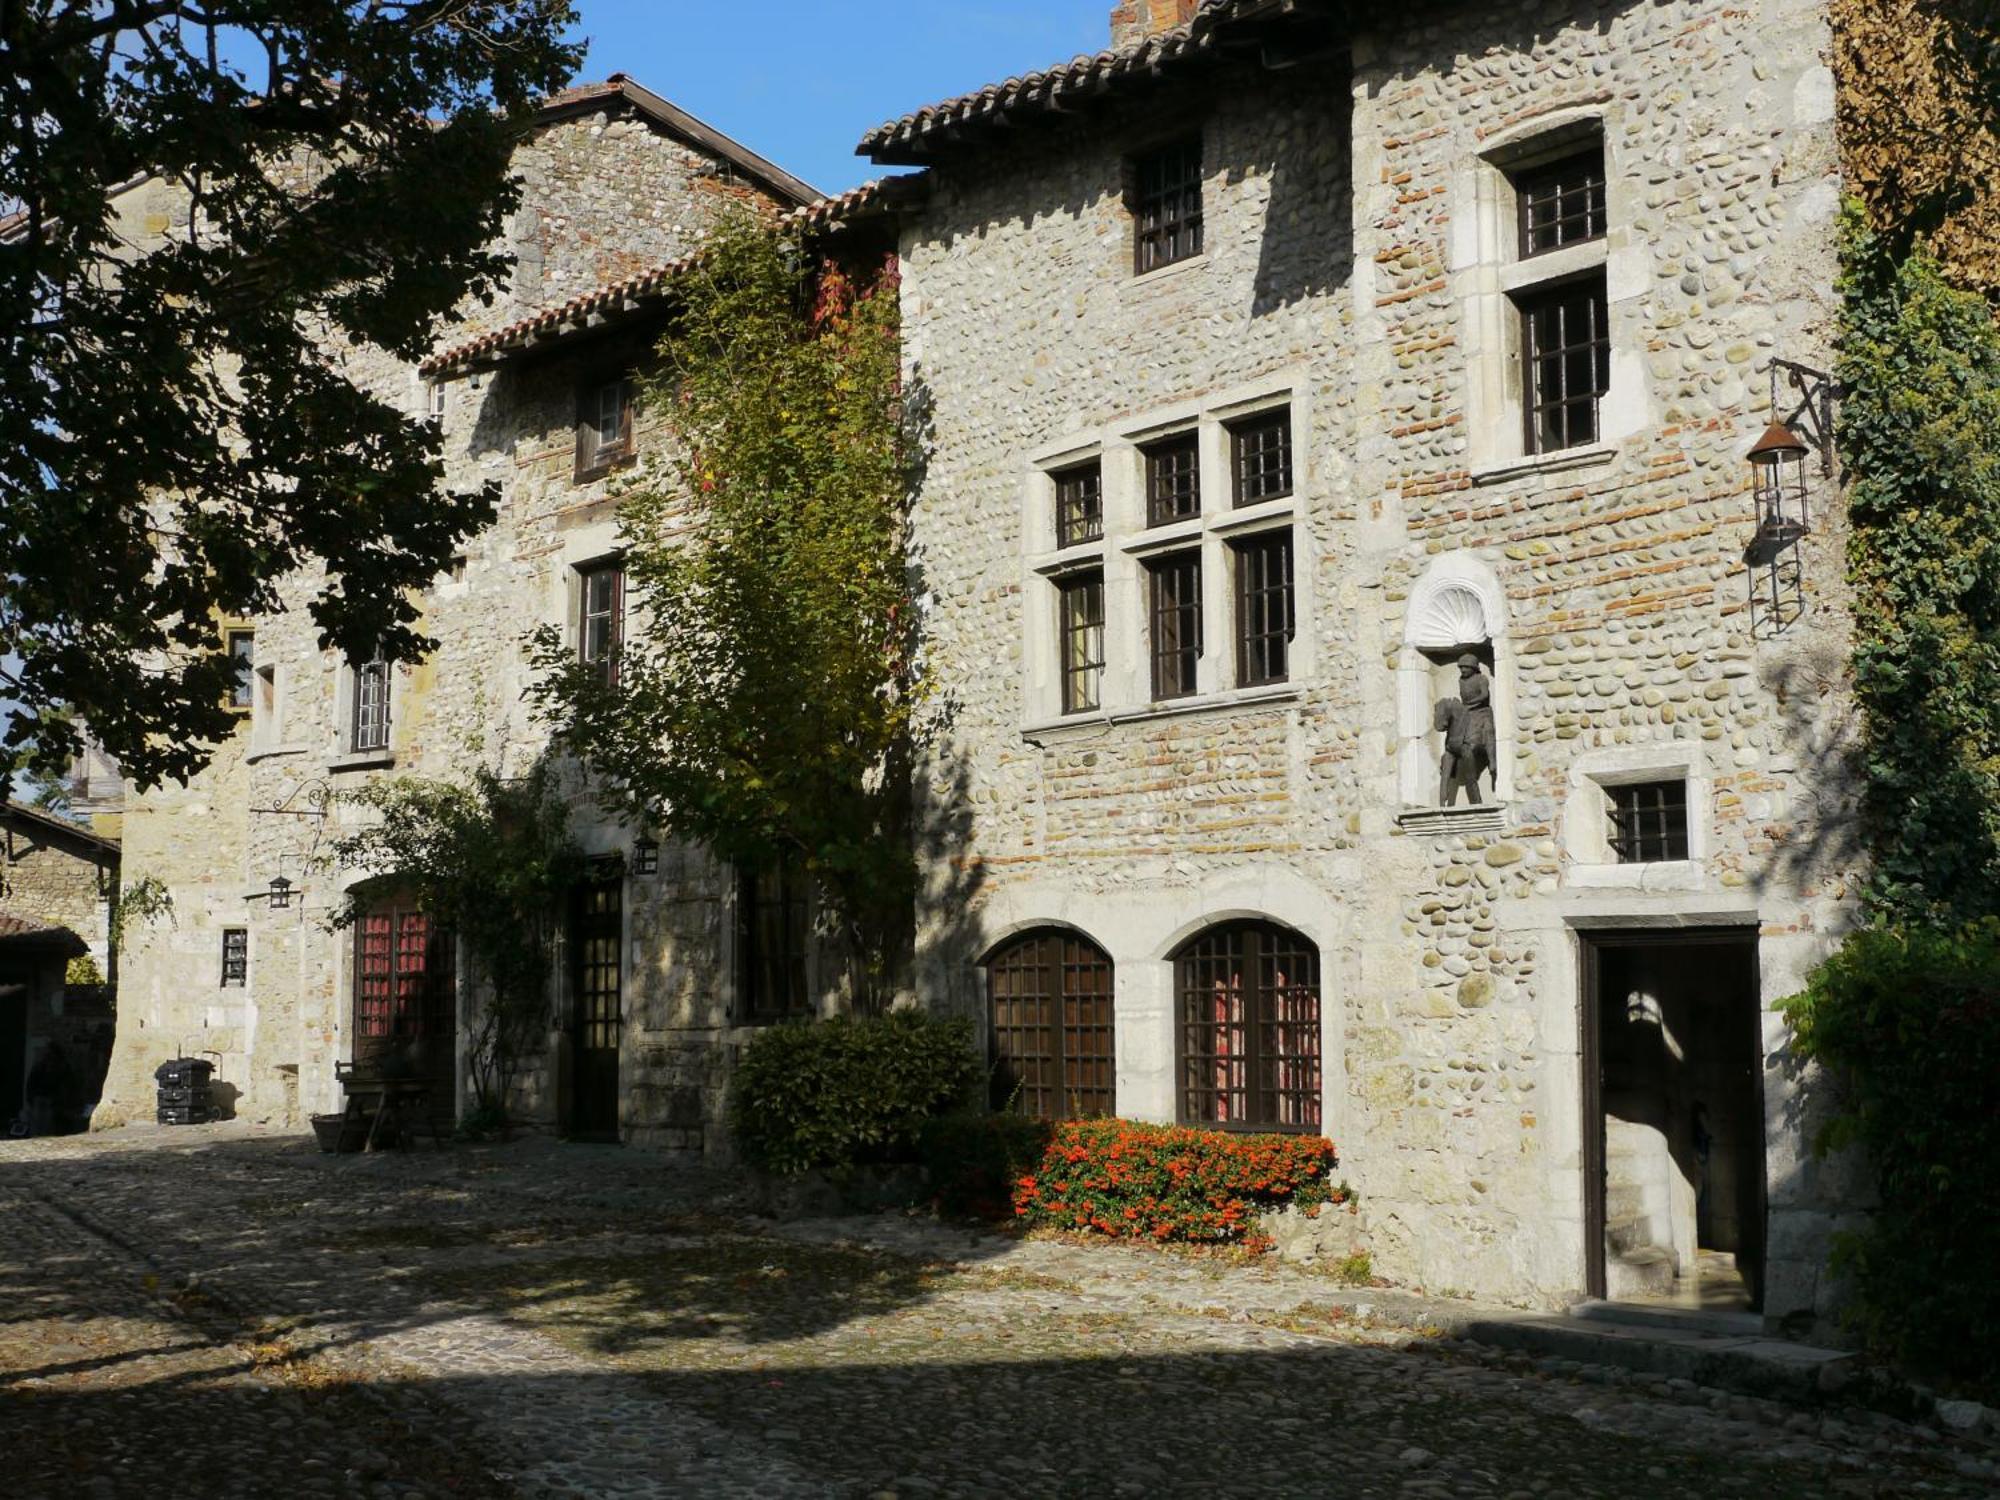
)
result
[(1780, 496), (280, 893), (646, 855)]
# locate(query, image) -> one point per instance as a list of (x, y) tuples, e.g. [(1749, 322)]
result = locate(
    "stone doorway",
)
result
[(1673, 1118)]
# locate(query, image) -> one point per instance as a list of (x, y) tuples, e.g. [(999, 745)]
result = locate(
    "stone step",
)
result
[(1740, 1361), (1693, 1319)]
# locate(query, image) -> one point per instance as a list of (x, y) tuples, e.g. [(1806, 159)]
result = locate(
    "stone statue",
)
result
[(1470, 749)]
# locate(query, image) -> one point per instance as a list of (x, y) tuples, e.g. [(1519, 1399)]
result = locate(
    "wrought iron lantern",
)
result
[(1781, 495), (646, 855), (280, 893)]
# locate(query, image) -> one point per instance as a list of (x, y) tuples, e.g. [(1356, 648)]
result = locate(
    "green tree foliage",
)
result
[(178, 426), (1920, 368), (492, 860), (764, 692), (1909, 1019)]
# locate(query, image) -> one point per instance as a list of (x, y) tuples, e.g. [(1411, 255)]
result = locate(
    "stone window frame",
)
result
[(604, 661), (347, 755), (1062, 954), (242, 697), (1128, 543), (235, 972), (1457, 593), (1488, 272), (1590, 860)]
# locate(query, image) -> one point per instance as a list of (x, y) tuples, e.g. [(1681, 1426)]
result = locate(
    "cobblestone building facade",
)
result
[(1318, 412), (1227, 337), (616, 183)]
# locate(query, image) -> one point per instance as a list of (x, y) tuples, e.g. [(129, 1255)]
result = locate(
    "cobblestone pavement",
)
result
[(544, 1320)]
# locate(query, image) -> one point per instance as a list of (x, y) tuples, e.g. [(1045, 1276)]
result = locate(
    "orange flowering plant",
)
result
[(1172, 1182)]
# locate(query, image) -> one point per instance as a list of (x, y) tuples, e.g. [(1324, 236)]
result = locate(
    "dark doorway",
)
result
[(596, 935), (406, 1003), (13, 1051), (1674, 1117)]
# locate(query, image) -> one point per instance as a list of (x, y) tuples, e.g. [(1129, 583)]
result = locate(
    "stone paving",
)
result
[(545, 1320)]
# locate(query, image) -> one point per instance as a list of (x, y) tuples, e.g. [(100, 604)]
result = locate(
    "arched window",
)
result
[(1248, 996), (1050, 997)]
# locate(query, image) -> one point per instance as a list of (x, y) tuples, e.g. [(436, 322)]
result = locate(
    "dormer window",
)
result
[(1166, 206)]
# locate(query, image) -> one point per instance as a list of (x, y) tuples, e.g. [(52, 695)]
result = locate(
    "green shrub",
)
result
[(1171, 1182), (1908, 1023), (831, 1095), (974, 1160)]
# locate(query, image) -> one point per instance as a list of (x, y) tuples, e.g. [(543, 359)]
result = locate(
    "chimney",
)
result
[(1135, 20)]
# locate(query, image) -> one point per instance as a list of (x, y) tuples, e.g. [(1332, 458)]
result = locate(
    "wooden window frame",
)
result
[(1266, 606), (1052, 1024), (1173, 478), (601, 655), (1166, 205), (405, 975), (1577, 413), (368, 731), (235, 958), (1174, 611), (1648, 822), (758, 971), (1079, 503), (595, 456), (1260, 457), (596, 952), (1255, 1065), (1081, 639)]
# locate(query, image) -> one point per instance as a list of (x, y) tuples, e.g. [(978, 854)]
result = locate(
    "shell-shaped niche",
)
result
[(1450, 617)]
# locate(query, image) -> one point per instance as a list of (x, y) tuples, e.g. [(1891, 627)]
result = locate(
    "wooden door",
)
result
[(597, 920), (406, 1003)]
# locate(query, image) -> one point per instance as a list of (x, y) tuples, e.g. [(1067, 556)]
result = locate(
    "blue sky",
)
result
[(800, 81)]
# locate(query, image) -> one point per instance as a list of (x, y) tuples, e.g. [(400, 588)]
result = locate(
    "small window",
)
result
[(1166, 206), (603, 427), (434, 403), (773, 916), (1261, 457), (242, 647), (1174, 584), (1173, 479), (235, 956), (1566, 350), (601, 625), (1649, 821), (1082, 600), (370, 725), (1561, 203), (1265, 621), (1079, 505)]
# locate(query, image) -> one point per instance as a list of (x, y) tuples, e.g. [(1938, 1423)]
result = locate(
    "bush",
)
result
[(974, 1160), (1908, 1022), (1164, 1182), (832, 1095)]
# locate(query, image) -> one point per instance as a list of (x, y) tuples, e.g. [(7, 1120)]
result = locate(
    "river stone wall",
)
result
[(1343, 263)]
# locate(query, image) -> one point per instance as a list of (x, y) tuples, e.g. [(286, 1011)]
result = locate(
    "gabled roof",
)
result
[(589, 311), (1219, 30), (53, 830), (585, 98)]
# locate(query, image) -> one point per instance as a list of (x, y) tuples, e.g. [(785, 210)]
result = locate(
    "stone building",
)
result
[(618, 187), (1333, 549), (57, 969)]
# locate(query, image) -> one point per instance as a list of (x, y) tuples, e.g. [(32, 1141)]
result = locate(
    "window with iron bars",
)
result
[(1260, 451), (1173, 479), (1053, 1028), (1648, 821), (1249, 1013), (1561, 203), (1079, 504), (1265, 617), (1174, 585), (1566, 353), (1166, 206)]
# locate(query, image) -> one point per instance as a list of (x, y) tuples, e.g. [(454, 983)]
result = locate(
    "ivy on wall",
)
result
[(1920, 437)]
